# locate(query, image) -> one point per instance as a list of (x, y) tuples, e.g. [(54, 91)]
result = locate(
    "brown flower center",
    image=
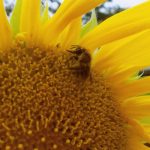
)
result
[(45, 104)]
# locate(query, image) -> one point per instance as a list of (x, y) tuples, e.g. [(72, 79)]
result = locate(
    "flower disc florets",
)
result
[(46, 105)]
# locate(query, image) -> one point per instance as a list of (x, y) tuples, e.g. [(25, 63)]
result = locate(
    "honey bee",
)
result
[(82, 60)]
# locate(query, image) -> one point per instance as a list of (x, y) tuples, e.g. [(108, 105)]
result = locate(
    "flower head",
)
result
[(63, 89)]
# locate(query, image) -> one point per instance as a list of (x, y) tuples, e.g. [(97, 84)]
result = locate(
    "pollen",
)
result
[(46, 105), (20, 146)]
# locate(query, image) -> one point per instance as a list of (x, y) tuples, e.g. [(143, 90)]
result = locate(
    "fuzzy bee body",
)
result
[(82, 60)]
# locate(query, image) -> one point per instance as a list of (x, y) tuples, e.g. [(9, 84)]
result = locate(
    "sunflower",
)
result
[(67, 87)]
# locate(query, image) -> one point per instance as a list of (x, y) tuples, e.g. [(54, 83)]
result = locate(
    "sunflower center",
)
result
[(50, 99)]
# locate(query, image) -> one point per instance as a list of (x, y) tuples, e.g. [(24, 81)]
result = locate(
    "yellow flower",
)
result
[(58, 91)]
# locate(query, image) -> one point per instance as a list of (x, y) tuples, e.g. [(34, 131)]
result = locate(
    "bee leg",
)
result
[(71, 51), (90, 76)]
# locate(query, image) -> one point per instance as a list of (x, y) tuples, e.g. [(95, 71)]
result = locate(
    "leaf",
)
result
[(15, 17), (90, 25)]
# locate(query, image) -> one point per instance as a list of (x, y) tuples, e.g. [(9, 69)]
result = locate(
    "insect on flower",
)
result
[(82, 60), (47, 98)]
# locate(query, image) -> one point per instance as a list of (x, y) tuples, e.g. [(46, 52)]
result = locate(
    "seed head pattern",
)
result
[(46, 106)]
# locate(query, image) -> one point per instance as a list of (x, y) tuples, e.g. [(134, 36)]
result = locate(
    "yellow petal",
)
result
[(136, 137), (119, 77), (68, 11), (135, 88), (137, 107), (124, 53), (118, 26), (5, 30), (138, 130), (70, 36), (30, 18), (136, 145), (107, 51), (147, 127)]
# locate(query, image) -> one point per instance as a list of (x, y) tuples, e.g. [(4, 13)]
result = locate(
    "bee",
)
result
[(82, 61)]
